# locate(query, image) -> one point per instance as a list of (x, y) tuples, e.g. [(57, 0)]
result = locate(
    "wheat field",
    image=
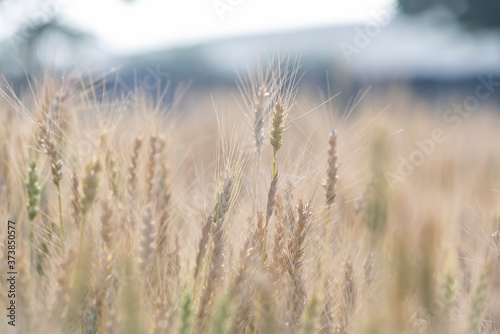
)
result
[(261, 210)]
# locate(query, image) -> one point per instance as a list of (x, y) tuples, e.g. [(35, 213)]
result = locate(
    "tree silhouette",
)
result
[(46, 20), (29, 39), (471, 13)]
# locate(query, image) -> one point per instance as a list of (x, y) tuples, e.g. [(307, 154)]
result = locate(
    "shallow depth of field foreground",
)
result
[(271, 210)]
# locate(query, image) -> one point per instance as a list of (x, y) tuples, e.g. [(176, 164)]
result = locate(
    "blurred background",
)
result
[(433, 48)]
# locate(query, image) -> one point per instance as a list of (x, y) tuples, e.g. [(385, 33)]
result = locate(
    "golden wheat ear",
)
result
[(214, 277), (47, 142), (202, 245), (298, 294), (259, 118), (331, 172), (132, 171)]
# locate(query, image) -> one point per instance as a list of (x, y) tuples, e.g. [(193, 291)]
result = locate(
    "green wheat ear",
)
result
[(276, 129), (90, 184), (222, 315), (186, 314), (309, 322), (33, 189), (478, 302), (277, 126)]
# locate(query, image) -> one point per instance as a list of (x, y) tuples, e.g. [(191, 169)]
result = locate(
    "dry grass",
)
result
[(179, 222)]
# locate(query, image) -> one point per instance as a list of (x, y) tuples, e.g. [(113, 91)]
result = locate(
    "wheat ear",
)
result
[(309, 322), (271, 197), (64, 285), (331, 172), (48, 144), (33, 190), (202, 245), (150, 174), (132, 170), (186, 321), (75, 200), (276, 130), (348, 296), (147, 244), (90, 189), (330, 191), (106, 271), (279, 244), (271, 200), (224, 202), (478, 301), (259, 109), (214, 276), (296, 251)]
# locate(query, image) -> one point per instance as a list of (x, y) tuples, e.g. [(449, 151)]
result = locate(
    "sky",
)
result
[(142, 25)]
